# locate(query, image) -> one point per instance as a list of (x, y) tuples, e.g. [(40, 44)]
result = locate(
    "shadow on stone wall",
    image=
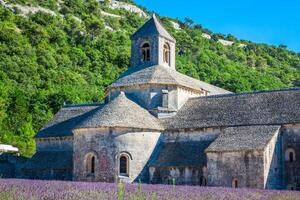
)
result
[(144, 175), (275, 178)]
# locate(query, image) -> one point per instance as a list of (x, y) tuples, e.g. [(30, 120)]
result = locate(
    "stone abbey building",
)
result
[(157, 125)]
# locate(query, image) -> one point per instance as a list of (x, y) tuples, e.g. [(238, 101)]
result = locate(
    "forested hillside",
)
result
[(69, 55)]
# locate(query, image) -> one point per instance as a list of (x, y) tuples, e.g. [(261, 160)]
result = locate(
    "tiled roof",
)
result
[(255, 108), (180, 154), (120, 112), (65, 120), (164, 76), (243, 138)]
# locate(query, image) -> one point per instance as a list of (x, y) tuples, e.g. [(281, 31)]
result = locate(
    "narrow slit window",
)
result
[(291, 155), (124, 165), (93, 165), (235, 183), (167, 52)]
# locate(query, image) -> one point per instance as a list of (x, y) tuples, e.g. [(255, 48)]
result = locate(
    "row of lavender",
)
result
[(11, 189)]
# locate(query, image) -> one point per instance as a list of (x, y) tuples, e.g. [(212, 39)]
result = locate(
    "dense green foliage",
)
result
[(46, 61)]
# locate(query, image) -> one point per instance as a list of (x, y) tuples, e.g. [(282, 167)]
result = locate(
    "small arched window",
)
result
[(235, 183), (146, 52), (124, 165), (290, 155), (90, 163), (167, 52)]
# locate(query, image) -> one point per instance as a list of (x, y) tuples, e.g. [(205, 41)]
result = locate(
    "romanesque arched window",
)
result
[(235, 183), (90, 163), (290, 155), (124, 165), (146, 52), (167, 52)]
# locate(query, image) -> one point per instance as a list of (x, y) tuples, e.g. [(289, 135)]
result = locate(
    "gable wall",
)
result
[(245, 166), (184, 94)]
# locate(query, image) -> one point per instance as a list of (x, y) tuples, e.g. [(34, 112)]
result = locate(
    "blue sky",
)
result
[(264, 21)]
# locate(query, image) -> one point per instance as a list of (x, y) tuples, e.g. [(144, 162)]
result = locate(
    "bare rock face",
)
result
[(176, 26), (205, 35), (126, 6), (25, 10), (225, 42)]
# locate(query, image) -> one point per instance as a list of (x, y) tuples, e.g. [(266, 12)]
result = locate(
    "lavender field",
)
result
[(11, 189)]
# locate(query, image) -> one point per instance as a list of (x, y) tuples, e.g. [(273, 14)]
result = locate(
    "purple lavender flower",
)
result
[(13, 189)]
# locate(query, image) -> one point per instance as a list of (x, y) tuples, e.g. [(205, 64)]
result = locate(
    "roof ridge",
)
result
[(247, 93), (160, 27)]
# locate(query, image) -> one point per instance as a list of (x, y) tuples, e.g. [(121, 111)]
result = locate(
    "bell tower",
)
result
[(152, 45)]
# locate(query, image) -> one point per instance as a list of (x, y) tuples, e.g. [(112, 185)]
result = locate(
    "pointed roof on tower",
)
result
[(152, 28)]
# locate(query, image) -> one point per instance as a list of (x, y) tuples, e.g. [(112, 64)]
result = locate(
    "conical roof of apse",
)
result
[(121, 113)]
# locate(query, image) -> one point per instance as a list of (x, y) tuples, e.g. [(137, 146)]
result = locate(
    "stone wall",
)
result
[(107, 145), (54, 144), (205, 134), (184, 95), (267, 169), (247, 167), (136, 52), (291, 140), (180, 175), (10, 165), (149, 97), (47, 174), (162, 41), (156, 52)]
